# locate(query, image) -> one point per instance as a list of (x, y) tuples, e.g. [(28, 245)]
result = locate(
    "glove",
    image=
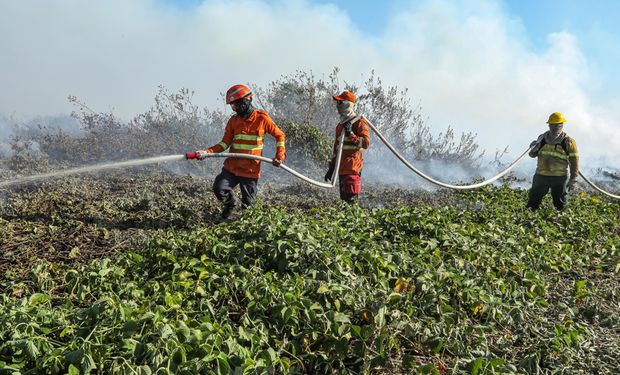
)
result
[(536, 145), (538, 140), (200, 155), (277, 162), (571, 184), (347, 129), (328, 175)]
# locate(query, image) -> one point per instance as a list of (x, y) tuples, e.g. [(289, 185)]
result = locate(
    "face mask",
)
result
[(345, 109), (556, 129), (243, 107)]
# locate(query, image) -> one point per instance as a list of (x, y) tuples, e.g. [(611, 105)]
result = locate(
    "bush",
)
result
[(306, 145), (301, 104), (302, 98)]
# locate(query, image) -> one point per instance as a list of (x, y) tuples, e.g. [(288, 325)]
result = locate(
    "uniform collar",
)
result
[(251, 116)]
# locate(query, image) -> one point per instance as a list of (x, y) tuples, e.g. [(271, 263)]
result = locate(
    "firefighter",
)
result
[(244, 134), (357, 139), (556, 152)]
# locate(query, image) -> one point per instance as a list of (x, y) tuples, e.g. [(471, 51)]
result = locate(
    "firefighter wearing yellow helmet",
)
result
[(557, 153)]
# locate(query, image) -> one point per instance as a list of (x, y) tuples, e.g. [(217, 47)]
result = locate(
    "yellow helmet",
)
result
[(556, 118)]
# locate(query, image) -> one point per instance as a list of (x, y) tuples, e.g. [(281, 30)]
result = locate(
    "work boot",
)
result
[(226, 212), (229, 207)]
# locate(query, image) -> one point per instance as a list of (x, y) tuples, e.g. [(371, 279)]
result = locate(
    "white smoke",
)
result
[(468, 62), (5, 135)]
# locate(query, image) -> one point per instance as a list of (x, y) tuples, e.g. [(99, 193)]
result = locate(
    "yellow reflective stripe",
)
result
[(224, 145), (280, 144), (559, 155), (350, 147), (248, 137), (240, 146), (573, 154)]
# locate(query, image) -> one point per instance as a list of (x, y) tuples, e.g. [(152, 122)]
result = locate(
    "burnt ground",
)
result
[(78, 218)]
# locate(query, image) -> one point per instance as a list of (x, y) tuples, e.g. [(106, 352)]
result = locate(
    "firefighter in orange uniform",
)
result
[(357, 139), (244, 134)]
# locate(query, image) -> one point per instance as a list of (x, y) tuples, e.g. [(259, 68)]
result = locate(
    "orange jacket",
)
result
[(353, 147), (245, 136)]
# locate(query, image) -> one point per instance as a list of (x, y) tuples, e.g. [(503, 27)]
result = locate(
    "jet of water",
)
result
[(92, 168)]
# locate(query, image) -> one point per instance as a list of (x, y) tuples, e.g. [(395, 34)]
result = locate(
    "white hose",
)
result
[(443, 184), (598, 188), (288, 169), (473, 186)]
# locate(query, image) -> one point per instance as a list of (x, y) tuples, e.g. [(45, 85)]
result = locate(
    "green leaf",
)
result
[(31, 349), (88, 364), (341, 318), (38, 298), (322, 289), (179, 356), (223, 367), (475, 366), (73, 370)]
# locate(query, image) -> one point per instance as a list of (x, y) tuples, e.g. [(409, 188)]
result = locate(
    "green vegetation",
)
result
[(480, 286)]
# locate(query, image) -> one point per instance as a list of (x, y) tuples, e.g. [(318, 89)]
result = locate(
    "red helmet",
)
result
[(237, 92)]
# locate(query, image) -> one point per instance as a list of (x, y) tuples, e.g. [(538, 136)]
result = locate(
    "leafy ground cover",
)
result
[(126, 276)]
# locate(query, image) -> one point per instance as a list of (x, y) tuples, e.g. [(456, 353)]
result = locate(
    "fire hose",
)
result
[(439, 183), (284, 166), (472, 186), (406, 163), (598, 188)]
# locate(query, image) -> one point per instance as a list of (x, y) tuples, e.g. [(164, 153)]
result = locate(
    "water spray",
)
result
[(92, 168), (158, 159)]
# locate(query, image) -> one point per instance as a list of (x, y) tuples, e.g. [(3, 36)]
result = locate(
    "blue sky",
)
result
[(469, 63)]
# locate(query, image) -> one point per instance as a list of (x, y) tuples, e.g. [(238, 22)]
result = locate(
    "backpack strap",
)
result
[(564, 144), (353, 120)]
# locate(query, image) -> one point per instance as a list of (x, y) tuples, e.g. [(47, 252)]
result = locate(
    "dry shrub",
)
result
[(301, 104), (303, 98)]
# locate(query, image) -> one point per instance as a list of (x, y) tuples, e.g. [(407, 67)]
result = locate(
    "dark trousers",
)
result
[(224, 184), (541, 185)]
